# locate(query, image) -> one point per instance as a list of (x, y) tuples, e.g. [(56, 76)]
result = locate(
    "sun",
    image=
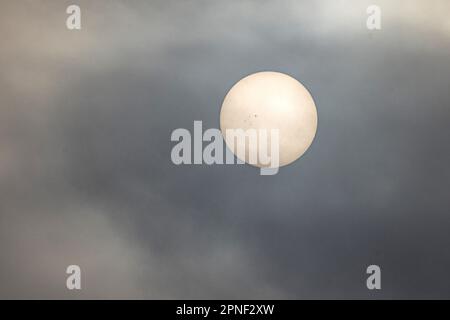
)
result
[(270, 101)]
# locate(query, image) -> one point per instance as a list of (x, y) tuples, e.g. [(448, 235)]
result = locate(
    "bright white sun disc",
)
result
[(271, 100)]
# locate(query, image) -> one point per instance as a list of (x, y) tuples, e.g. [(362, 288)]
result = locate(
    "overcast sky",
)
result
[(86, 176)]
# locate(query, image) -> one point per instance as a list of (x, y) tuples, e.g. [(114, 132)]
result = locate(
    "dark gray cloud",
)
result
[(86, 176)]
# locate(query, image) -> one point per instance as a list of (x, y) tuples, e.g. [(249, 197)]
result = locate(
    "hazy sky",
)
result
[(86, 176)]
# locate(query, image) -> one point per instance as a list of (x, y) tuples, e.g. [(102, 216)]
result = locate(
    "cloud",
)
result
[(86, 177)]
